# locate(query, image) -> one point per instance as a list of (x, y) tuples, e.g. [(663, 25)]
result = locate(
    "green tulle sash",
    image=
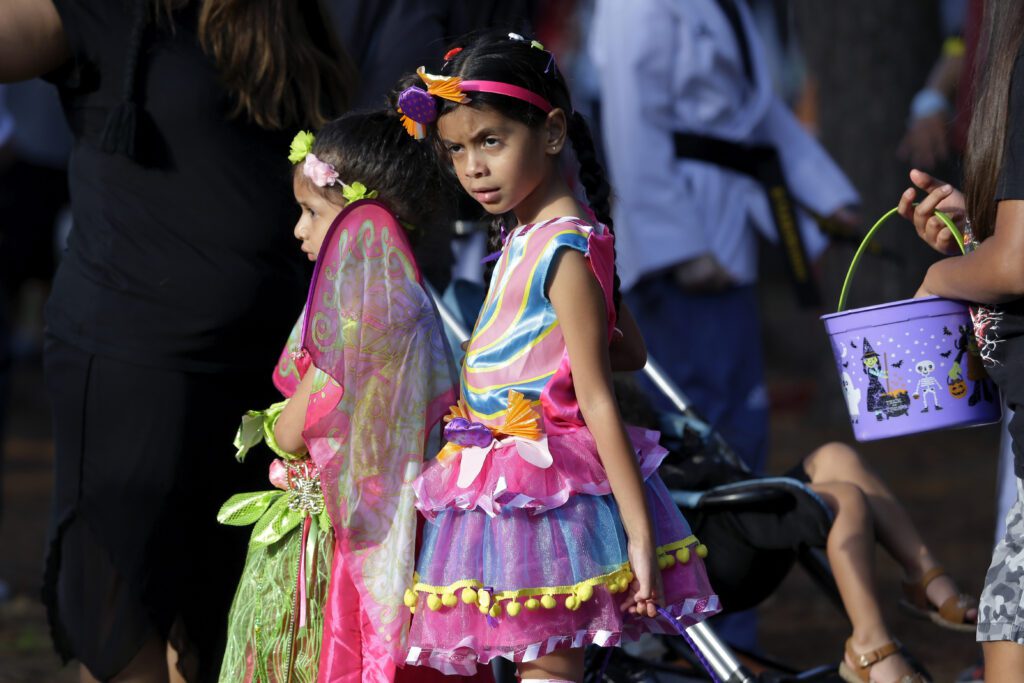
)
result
[(276, 622)]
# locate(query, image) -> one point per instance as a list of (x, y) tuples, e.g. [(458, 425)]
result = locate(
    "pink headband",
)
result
[(508, 90), (419, 107)]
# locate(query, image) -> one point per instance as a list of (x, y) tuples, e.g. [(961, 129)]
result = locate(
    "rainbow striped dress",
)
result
[(524, 550)]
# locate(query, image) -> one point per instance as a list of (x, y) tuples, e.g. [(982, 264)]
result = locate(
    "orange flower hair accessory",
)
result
[(418, 106)]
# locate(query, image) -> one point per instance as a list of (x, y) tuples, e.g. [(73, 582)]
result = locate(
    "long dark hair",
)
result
[(374, 149), (278, 59), (494, 56), (986, 139)]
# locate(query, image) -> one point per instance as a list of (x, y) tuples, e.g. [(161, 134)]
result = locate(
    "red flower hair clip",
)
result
[(451, 53)]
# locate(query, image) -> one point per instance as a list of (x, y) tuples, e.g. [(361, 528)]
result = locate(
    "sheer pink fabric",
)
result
[(384, 379)]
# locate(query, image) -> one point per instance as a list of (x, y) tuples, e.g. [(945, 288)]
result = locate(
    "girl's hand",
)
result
[(942, 197), (645, 592)]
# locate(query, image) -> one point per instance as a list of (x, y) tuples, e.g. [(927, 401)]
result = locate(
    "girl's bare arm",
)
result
[(994, 272), (288, 430), (32, 40), (579, 304)]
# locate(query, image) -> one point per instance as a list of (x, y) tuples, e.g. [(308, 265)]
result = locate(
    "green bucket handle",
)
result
[(867, 239)]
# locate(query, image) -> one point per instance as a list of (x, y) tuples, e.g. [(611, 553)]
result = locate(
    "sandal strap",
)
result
[(916, 591), (955, 608), (865, 660)]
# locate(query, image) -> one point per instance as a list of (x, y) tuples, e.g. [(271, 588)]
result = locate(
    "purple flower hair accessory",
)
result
[(418, 105)]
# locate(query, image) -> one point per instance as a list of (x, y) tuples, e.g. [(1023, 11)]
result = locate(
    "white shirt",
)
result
[(675, 65)]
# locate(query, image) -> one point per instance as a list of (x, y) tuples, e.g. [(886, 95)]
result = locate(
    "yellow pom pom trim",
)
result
[(471, 591), (496, 610)]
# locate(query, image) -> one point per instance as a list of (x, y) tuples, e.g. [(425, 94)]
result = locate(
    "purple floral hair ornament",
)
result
[(418, 108)]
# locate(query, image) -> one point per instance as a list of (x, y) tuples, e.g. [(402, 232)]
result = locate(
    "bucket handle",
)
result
[(867, 239)]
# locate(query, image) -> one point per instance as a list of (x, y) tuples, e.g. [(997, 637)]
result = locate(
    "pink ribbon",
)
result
[(302, 571)]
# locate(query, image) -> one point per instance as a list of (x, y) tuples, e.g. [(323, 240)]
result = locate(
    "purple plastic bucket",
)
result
[(909, 366)]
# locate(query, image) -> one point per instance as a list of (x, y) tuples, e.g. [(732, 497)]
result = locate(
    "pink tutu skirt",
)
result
[(527, 560)]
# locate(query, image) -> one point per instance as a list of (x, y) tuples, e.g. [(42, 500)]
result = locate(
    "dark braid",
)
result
[(595, 182)]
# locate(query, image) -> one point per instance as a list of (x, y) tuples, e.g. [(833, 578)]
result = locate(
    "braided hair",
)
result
[(498, 56)]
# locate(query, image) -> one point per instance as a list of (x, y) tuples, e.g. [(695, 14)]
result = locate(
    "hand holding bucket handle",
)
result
[(867, 240)]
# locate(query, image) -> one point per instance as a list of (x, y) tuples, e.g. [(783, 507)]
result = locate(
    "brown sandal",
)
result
[(860, 672), (952, 614)]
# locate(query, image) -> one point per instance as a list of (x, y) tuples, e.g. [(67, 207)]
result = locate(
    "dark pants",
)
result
[(710, 346), (143, 461)]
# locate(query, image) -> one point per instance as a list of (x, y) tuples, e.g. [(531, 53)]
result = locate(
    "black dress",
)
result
[(179, 286)]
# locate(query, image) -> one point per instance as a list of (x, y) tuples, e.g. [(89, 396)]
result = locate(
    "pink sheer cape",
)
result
[(384, 378)]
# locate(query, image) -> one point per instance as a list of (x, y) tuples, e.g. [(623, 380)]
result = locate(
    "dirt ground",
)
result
[(945, 479)]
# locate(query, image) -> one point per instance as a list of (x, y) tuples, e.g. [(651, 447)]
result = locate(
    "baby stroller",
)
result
[(767, 523)]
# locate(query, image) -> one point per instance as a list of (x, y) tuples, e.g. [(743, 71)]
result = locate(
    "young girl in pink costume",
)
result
[(366, 374), (548, 526)]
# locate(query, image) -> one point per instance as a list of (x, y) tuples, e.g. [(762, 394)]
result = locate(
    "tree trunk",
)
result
[(868, 59)]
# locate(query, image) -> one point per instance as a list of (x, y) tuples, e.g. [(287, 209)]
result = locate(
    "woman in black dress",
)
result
[(179, 285)]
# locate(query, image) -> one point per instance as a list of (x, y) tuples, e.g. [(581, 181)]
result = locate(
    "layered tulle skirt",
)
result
[(528, 560)]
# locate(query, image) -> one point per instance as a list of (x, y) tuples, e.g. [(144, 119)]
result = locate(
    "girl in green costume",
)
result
[(365, 374)]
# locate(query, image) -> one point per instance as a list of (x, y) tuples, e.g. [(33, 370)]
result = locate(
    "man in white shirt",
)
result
[(687, 228), (692, 131)]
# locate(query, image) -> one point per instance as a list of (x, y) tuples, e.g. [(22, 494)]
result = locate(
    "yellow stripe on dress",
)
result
[(517, 355), (505, 259), (526, 295)]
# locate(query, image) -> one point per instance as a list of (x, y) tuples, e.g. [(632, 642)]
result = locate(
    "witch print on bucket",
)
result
[(873, 369)]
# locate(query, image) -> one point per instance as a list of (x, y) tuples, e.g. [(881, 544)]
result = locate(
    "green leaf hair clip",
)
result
[(302, 144), (356, 191)]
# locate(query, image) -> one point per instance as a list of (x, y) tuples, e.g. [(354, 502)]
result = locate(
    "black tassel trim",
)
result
[(119, 130)]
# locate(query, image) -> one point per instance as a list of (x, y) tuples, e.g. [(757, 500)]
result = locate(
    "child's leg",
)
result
[(837, 462), (851, 543), (560, 665)]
